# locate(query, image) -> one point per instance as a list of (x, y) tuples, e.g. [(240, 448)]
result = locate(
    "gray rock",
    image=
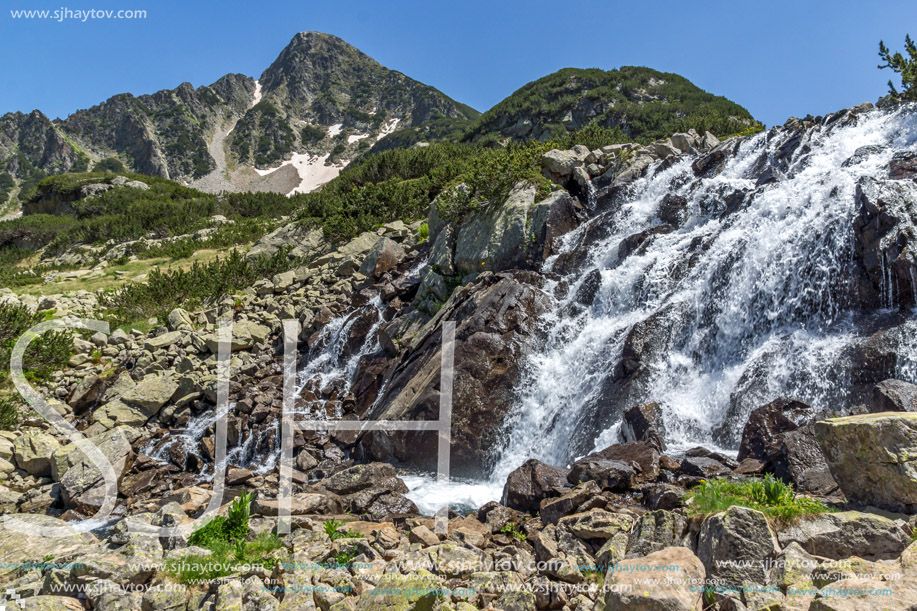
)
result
[(626, 587), (32, 452), (151, 393), (493, 238), (873, 457), (847, 533), (180, 320), (656, 530), (561, 163), (533, 481), (384, 256), (738, 547)]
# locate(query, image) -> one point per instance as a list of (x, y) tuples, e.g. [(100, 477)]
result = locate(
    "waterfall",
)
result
[(733, 307)]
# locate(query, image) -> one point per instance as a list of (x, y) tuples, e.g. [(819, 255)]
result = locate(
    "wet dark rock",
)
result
[(903, 166), (496, 320), (884, 243), (530, 483), (613, 475), (638, 242), (644, 423), (706, 468), (761, 435), (672, 209)]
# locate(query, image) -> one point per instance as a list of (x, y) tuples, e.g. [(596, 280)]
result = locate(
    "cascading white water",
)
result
[(332, 363), (750, 303)]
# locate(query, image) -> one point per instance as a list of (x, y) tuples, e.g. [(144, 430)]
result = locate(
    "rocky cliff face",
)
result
[(321, 98), (319, 83)]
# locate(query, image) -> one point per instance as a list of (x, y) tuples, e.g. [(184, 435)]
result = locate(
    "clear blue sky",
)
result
[(777, 58)]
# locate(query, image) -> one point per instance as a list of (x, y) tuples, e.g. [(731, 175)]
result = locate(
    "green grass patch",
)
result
[(769, 495), (230, 548)]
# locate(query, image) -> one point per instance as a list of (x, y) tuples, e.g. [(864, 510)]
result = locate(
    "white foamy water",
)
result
[(461, 496), (746, 306)]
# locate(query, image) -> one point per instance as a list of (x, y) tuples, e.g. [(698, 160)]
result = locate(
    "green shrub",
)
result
[(769, 495), (47, 353), (224, 559), (311, 134), (109, 164), (423, 232), (9, 414), (165, 291)]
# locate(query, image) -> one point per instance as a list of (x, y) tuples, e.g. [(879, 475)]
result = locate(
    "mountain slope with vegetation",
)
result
[(642, 103)]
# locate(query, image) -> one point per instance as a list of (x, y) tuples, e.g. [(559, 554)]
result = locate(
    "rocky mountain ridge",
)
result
[(321, 98)]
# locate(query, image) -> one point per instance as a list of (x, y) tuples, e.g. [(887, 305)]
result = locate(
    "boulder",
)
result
[(657, 530), (83, 486), (530, 483), (180, 320), (494, 237), (23, 539), (892, 396), (644, 423), (761, 435), (87, 393), (417, 591), (165, 340), (360, 477), (866, 594), (561, 164), (645, 455), (32, 452), (495, 326), (873, 458), (738, 547), (443, 251), (151, 393), (304, 503), (703, 467), (613, 475), (245, 335), (847, 533), (384, 256), (596, 524), (303, 241), (661, 581), (553, 509)]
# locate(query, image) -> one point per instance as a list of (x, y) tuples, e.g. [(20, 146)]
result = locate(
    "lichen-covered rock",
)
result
[(847, 533), (738, 547), (32, 452), (395, 592), (83, 485), (661, 581), (151, 393), (873, 457)]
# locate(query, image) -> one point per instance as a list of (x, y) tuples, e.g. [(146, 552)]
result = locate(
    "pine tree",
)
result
[(905, 66)]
